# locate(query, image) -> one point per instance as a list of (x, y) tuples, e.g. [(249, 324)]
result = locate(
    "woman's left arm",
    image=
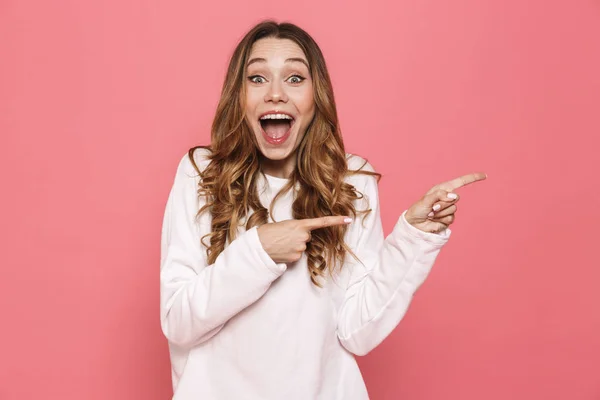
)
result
[(393, 268)]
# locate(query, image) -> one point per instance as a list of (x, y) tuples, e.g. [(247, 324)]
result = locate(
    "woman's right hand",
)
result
[(285, 241)]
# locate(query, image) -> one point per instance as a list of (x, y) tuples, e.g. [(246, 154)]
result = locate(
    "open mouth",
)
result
[(276, 126)]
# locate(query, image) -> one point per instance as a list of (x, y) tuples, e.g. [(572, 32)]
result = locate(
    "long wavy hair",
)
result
[(229, 181)]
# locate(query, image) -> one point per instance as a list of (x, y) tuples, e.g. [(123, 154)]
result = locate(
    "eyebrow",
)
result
[(293, 59)]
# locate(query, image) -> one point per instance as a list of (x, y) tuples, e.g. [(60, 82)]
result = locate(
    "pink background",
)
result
[(100, 100)]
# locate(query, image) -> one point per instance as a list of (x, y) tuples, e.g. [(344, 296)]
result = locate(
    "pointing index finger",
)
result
[(322, 222), (463, 181)]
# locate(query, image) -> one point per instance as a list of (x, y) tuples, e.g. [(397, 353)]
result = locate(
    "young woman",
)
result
[(274, 268)]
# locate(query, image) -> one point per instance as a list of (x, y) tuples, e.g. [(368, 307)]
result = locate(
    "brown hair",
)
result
[(229, 181)]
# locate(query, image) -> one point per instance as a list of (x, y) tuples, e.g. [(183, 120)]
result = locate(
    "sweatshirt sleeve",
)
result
[(197, 299), (381, 288)]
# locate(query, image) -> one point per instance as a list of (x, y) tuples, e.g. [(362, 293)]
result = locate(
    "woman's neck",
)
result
[(278, 168)]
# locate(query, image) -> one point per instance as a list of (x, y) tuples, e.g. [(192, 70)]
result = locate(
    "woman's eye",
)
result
[(256, 79), (296, 79)]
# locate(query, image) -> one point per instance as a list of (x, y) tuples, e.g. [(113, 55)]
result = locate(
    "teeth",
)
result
[(276, 116)]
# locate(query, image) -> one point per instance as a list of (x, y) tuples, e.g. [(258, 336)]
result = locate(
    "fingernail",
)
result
[(452, 195), (347, 220), (430, 214), (436, 207)]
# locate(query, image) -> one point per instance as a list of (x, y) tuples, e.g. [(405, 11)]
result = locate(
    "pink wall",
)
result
[(99, 100)]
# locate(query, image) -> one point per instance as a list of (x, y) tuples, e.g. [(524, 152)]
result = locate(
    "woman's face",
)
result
[(279, 101)]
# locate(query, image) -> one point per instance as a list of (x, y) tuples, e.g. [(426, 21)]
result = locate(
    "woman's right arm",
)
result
[(197, 299)]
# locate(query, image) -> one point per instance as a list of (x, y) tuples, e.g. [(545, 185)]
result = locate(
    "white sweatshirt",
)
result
[(247, 328)]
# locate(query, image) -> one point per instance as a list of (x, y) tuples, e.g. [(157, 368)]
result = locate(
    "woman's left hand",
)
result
[(435, 211)]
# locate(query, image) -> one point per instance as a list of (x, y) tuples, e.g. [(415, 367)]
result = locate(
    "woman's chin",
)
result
[(278, 153)]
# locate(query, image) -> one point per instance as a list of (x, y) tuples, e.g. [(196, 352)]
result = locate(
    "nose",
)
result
[(276, 93)]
